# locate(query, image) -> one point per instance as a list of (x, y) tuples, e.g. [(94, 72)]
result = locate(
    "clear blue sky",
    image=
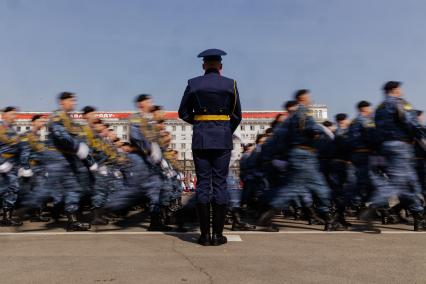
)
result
[(109, 51)]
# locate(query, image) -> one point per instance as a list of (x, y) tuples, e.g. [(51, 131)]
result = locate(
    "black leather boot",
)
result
[(37, 216), (328, 221), (265, 220), (8, 221), (219, 214), (97, 217), (368, 215), (203, 211), (312, 217), (237, 224), (74, 225), (419, 222), (156, 225)]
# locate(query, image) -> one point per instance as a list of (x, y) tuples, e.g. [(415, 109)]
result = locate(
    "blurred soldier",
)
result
[(304, 177), (362, 138), (12, 156), (66, 153), (38, 193), (397, 126), (420, 152), (211, 104)]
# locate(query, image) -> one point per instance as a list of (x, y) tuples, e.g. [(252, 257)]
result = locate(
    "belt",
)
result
[(209, 117), (310, 149), (362, 150), (7, 155)]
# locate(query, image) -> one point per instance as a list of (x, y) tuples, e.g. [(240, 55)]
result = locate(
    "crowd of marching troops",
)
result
[(319, 172), (327, 172), (85, 166)]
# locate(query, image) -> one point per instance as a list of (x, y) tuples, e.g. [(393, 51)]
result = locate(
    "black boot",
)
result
[(312, 217), (156, 225), (8, 221), (328, 221), (265, 220), (385, 216), (203, 211), (219, 214), (74, 225), (97, 217), (37, 216), (419, 222), (368, 215), (237, 224)]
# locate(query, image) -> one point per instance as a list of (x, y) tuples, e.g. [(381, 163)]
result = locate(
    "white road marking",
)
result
[(234, 238)]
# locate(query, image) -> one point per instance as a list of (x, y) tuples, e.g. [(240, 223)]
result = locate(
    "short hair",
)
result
[(290, 104), (36, 117), (341, 116), (247, 146), (269, 130), (142, 97), (65, 95), (125, 144), (10, 108), (419, 112), (327, 123), (88, 109), (160, 121), (300, 93), (362, 104), (260, 136), (391, 85), (156, 108)]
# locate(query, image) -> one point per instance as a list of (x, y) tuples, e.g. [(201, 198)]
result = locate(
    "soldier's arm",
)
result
[(186, 108), (236, 115), (409, 118), (24, 152), (64, 138)]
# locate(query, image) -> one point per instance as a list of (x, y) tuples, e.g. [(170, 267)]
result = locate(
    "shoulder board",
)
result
[(408, 106)]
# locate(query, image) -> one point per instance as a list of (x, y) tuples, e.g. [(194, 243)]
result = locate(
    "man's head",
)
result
[(420, 116), (212, 59), (364, 108), (9, 114), (342, 120), (248, 148), (261, 138), (303, 97), (144, 103), (157, 112), (67, 101), (37, 122), (290, 106), (126, 147), (393, 88), (89, 113)]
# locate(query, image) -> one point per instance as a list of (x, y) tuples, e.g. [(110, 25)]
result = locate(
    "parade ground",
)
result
[(297, 254)]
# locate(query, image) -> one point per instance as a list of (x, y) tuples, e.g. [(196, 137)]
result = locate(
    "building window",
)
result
[(27, 128), (174, 128), (183, 127), (252, 137), (173, 146), (173, 137), (183, 146), (262, 127), (18, 129), (251, 127), (320, 113), (125, 137), (242, 127)]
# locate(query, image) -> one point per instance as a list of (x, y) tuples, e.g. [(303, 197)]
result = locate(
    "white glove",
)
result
[(118, 174), (155, 152), (5, 167), (103, 171), (94, 167), (83, 151), (25, 173)]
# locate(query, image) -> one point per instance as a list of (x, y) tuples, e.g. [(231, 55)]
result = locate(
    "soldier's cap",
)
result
[(142, 97), (66, 95), (212, 54), (389, 86), (341, 116), (9, 109)]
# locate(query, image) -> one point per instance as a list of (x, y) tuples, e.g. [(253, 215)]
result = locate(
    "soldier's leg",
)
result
[(203, 169), (10, 195)]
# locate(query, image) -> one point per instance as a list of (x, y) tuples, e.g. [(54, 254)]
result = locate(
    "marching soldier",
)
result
[(14, 158), (211, 104), (397, 126)]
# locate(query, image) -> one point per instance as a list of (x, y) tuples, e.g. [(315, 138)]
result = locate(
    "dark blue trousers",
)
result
[(211, 167)]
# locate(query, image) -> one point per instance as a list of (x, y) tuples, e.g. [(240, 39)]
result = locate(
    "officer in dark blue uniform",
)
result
[(397, 126), (211, 104)]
